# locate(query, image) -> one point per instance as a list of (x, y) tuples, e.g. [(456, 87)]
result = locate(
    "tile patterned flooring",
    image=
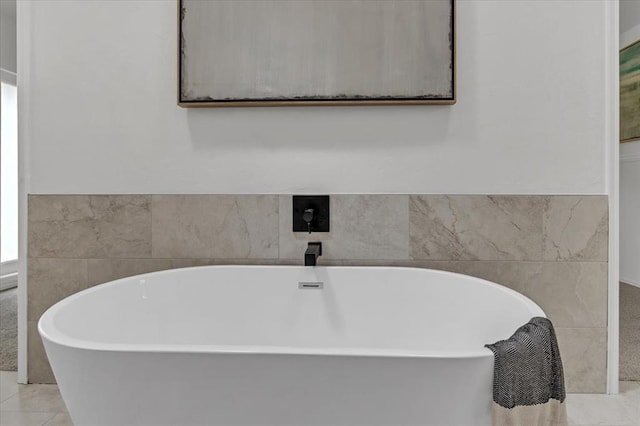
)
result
[(41, 405), (30, 405)]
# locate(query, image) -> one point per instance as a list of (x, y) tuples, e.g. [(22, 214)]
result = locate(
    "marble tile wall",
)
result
[(551, 248)]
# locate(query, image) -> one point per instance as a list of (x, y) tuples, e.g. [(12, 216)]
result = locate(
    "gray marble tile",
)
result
[(89, 226), (476, 227), (187, 263), (509, 274), (215, 226), (104, 270), (51, 280), (362, 227), (584, 358), (572, 294), (39, 370), (576, 228)]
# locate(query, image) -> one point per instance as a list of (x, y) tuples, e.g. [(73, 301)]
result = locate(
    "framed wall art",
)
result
[(630, 93), (283, 52)]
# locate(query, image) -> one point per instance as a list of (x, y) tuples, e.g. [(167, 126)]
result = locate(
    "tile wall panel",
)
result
[(576, 228), (215, 226), (551, 248), (89, 226), (362, 227), (476, 227)]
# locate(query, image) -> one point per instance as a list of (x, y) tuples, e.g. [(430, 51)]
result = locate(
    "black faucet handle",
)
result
[(307, 216)]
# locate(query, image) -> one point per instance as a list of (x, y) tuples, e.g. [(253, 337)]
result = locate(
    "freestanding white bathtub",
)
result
[(264, 345)]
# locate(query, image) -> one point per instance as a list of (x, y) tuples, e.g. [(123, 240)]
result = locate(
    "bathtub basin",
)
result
[(282, 345)]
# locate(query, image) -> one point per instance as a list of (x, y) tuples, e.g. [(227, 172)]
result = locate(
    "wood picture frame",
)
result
[(278, 53)]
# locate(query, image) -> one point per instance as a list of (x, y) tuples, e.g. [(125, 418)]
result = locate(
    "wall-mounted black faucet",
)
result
[(314, 250), (311, 214)]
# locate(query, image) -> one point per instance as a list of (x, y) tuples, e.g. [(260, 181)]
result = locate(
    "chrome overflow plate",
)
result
[(311, 285)]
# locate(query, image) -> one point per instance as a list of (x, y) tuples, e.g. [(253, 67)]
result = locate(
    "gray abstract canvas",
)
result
[(275, 50)]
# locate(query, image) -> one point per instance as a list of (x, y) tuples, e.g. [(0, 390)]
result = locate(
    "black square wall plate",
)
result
[(320, 206)]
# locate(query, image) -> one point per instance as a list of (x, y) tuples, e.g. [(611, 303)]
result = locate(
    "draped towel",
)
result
[(528, 380)]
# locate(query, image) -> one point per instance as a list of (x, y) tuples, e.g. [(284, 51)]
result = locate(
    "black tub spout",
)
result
[(311, 255)]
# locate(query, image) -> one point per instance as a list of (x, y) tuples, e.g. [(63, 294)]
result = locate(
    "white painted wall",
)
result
[(101, 114), (8, 41), (9, 137), (630, 168), (629, 15), (630, 213), (9, 175)]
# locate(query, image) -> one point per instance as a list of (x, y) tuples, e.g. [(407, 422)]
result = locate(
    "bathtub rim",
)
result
[(48, 331)]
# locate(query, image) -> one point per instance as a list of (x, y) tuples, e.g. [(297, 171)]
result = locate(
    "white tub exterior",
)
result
[(244, 345)]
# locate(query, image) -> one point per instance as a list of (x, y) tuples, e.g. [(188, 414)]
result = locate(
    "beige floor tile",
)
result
[(43, 398), (61, 419), (631, 391), (17, 418), (8, 384), (600, 409), (630, 388), (42, 405)]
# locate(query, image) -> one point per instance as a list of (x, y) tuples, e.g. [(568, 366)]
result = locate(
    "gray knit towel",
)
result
[(528, 372)]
